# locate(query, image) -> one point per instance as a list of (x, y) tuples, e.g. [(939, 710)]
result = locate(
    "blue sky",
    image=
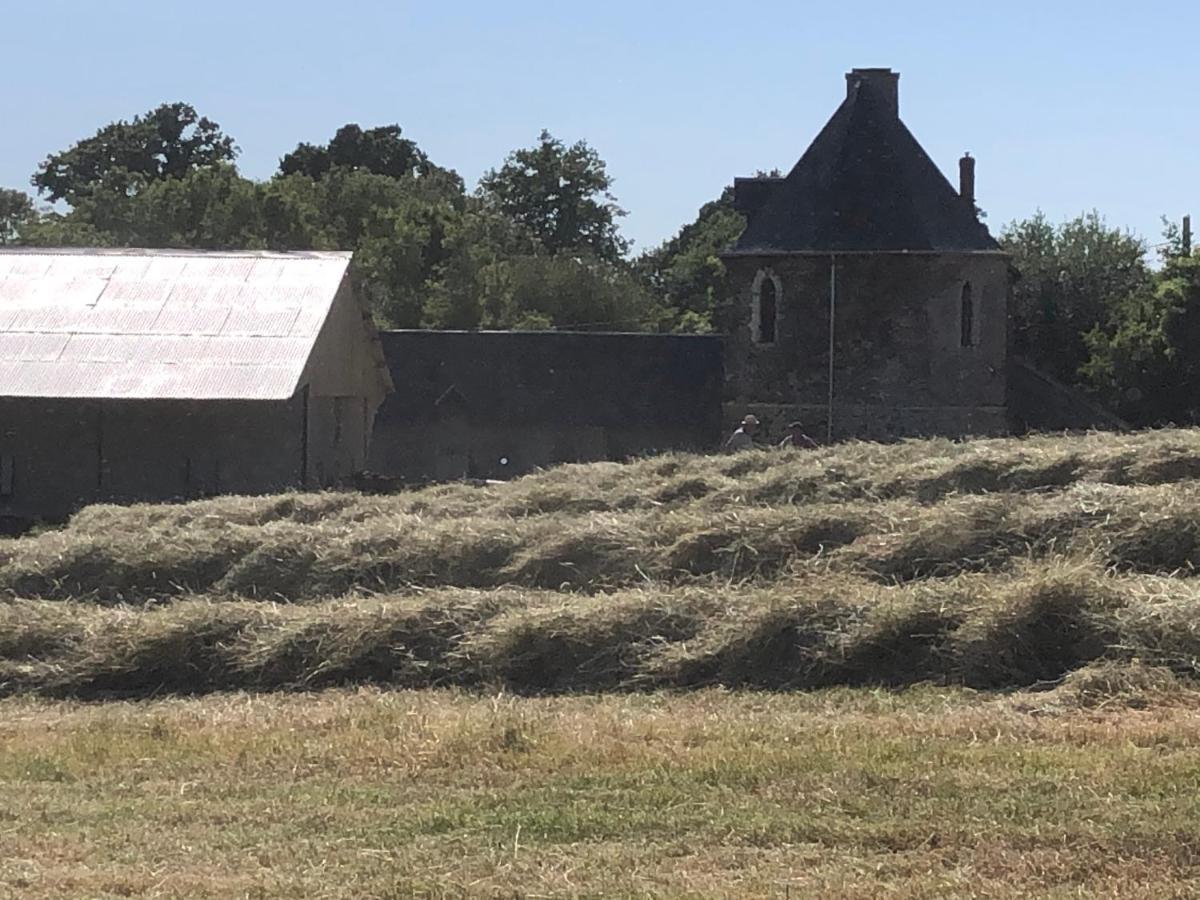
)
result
[(1067, 105)]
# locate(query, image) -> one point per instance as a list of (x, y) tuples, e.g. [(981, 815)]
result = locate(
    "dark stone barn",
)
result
[(154, 375), (873, 302), (496, 404)]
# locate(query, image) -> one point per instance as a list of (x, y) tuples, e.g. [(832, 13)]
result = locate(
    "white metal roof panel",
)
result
[(142, 324)]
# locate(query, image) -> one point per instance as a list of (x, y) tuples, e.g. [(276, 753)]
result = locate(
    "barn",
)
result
[(498, 404), (153, 375)]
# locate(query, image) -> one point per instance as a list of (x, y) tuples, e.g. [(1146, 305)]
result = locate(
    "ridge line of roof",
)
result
[(138, 251)]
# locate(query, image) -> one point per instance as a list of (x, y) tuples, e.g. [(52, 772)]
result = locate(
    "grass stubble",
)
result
[(930, 669)]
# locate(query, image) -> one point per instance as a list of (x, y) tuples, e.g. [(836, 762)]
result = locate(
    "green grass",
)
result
[(363, 794)]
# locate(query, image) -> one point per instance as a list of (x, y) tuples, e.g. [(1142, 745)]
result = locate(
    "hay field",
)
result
[(922, 670), (992, 564), (362, 793)]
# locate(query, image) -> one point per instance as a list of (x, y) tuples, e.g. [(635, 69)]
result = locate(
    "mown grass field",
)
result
[(927, 669), (844, 793)]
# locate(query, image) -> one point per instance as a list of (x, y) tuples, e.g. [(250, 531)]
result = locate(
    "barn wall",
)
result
[(447, 450), (66, 454), (345, 389), (465, 401), (899, 367)]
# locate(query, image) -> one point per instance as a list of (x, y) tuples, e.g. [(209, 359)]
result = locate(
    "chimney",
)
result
[(966, 178), (884, 85)]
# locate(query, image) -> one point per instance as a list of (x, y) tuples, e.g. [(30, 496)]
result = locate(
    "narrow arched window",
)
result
[(764, 313), (967, 317)]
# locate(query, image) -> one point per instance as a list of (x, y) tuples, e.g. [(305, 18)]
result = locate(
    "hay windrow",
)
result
[(997, 564)]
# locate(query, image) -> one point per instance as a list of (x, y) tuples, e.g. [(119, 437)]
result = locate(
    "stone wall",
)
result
[(66, 454), (1040, 402), (497, 404), (900, 367)]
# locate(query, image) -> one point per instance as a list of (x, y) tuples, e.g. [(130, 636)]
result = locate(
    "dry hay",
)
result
[(998, 564)]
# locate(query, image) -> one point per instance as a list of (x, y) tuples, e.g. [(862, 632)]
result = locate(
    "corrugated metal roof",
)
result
[(146, 324)]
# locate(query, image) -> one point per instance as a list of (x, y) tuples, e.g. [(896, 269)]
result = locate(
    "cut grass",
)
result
[(834, 794), (651, 679), (1026, 628), (906, 512), (994, 564)]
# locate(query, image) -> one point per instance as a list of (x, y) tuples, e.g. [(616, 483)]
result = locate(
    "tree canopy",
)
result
[(379, 151), (167, 142), (1071, 278), (426, 253), (687, 271), (16, 212), (1145, 359), (561, 195)]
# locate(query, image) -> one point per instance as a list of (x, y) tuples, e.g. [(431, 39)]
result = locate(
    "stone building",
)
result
[(497, 404), (873, 302), (152, 375)]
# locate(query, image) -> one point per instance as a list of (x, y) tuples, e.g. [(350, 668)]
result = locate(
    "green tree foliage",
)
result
[(687, 271), (479, 247), (379, 151), (561, 195), (167, 142), (16, 214), (1145, 361), (1072, 277), (536, 247), (572, 292)]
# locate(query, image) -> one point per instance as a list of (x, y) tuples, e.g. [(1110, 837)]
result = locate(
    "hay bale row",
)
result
[(1144, 529), (983, 631)]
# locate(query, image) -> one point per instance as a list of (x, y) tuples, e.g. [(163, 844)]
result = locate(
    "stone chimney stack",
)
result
[(966, 178), (884, 84)]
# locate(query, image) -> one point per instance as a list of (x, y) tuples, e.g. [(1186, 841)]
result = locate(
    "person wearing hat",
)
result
[(797, 438), (743, 438)]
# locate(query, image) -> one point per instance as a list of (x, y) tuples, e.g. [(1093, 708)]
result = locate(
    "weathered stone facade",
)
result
[(872, 302), (499, 404), (902, 363)]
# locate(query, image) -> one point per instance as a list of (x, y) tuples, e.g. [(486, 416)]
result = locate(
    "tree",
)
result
[(687, 273), (425, 253), (16, 214), (167, 142), (561, 195), (541, 291), (1145, 361), (479, 246), (379, 151), (1072, 277)]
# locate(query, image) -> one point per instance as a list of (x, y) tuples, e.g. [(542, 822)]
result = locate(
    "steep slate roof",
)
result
[(864, 184), (144, 324)]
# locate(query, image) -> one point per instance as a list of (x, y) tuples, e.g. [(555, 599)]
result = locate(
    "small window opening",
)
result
[(7, 465), (967, 318), (768, 310)]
